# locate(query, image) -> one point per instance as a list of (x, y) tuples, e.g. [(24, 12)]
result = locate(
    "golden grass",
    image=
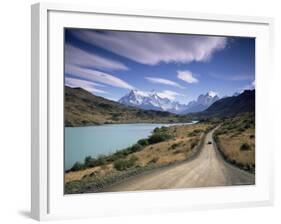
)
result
[(177, 149), (230, 146), (78, 175)]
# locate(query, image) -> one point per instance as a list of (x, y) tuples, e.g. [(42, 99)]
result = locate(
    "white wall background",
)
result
[(15, 110)]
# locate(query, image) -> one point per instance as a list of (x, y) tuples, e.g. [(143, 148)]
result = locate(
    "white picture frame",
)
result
[(48, 201)]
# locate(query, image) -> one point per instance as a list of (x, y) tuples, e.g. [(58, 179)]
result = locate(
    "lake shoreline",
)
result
[(135, 122), (86, 139), (181, 147)]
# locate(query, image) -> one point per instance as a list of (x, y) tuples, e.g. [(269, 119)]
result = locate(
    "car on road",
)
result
[(209, 142)]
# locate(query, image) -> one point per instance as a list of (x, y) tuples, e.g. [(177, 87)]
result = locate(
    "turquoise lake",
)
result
[(103, 140)]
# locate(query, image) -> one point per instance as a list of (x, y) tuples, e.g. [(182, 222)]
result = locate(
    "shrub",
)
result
[(143, 142), (120, 164), (195, 132), (133, 158), (123, 164), (159, 137), (136, 147), (175, 145), (156, 130), (77, 166), (245, 147), (87, 161), (162, 129), (101, 160), (191, 134), (92, 162), (121, 154)]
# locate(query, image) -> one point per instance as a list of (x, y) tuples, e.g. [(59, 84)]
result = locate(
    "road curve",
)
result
[(206, 170)]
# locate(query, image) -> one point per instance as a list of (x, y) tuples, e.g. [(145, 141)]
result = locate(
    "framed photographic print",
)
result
[(141, 111)]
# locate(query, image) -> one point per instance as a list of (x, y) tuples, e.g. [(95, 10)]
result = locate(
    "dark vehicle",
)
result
[(209, 142)]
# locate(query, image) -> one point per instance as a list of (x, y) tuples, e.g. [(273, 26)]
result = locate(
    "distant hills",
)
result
[(83, 108), (231, 106), (152, 101)]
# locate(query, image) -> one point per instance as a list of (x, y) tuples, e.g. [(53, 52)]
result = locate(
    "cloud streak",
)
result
[(171, 95), (163, 81), (87, 85), (154, 48), (96, 76), (79, 57), (187, 76)]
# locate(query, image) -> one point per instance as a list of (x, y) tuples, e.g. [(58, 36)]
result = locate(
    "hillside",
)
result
[(235, 139), (231, 106), (83, 108)]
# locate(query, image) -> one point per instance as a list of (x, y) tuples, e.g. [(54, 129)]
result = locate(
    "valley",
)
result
[(169, 151)]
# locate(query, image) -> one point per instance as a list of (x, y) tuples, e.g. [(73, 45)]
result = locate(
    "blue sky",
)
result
[(179, 67)]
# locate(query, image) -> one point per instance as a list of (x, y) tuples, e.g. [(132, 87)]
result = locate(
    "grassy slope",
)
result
[(236, 141), (179, 148), (82, 108)]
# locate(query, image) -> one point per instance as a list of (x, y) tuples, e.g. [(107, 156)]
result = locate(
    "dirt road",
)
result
[(207, 169)]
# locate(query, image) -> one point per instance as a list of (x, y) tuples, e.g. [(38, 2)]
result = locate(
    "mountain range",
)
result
[(232, 106), (152, 101), (82, 108)]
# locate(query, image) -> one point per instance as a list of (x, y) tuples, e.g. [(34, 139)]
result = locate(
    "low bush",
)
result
[(77, 166), (162, 130), (156, 130), (143, 142), (88, 161), (136, 147), (245, 147), (158, 137), (123, 164), (175, 145), (101, 160), (120, 154), (195, 132)]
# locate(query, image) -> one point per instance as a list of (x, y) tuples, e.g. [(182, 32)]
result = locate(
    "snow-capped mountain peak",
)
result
[(152, 101), (212, 94), (202, 102)]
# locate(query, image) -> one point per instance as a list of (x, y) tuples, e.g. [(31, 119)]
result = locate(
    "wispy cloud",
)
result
[(96, 76), (163, 81), (87, 85), (153, 48), (79, 57), (187, 76), (171, 95)]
